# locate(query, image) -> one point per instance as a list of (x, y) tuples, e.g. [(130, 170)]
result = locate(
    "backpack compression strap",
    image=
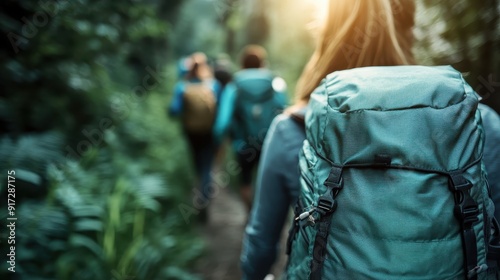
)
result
[(297, 210), (494, 249), (326, 206), (466, 211)]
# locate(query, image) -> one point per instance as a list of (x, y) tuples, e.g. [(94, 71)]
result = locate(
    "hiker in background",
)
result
[(195, 100), (279, 182), (222, 70), (248, 105), (224, 75)]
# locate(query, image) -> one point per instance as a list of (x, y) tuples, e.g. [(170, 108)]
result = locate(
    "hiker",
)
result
[(342, 228), (223, 74), (248, 105), (222, 70), (195, 100)]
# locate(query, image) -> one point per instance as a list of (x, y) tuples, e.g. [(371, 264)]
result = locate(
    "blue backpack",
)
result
[(392, 180), (259, 99)]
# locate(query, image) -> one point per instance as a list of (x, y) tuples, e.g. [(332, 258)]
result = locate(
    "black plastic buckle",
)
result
[(463, 187), (467, 210), (467, 214), (460, 184), (334, 179), (334, 187), (326, 204)]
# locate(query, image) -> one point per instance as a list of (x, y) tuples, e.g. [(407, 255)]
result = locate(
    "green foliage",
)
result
[(111, 213), (63, 56), (291, 31), (199, 28), (83, 124), (462, 33), (465, 34), (226, 26)]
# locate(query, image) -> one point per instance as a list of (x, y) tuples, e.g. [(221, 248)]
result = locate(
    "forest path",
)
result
[(223, 236)]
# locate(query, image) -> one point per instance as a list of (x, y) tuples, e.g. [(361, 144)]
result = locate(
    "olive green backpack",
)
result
[(392, 180)]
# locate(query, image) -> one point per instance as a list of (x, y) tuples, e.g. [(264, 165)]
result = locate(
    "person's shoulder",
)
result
[(251, 73), (282, 120), (490, 117), (487, 111), (287, 126)]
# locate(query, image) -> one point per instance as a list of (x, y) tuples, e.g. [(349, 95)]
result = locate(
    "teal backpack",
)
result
[(259, 99), (392, 180)]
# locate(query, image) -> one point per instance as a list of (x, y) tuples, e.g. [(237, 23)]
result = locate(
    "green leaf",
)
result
[(78, 240), (88, 225)]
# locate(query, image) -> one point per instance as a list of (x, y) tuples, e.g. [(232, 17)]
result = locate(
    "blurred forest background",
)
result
[(100, 169)]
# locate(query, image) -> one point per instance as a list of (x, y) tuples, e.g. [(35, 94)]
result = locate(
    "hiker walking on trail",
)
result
[(195, 100), (248, 105), (381, 160), (222, 70)]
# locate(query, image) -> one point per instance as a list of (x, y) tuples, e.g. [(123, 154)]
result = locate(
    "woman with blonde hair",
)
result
[(357, 34)]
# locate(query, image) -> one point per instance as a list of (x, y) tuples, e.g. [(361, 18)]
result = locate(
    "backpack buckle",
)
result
[(466, 209), (467, 213), (334, 183), (465, 186), (326, 204), (459, 183)]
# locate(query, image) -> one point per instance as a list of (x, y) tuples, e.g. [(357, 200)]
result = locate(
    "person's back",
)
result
[(258, 101), (248, 105), (380, 153), (341, 47), (491, 123), (222, 70), (195, 101)]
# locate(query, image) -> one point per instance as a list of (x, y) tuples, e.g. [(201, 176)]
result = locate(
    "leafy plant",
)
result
[(107, 215)]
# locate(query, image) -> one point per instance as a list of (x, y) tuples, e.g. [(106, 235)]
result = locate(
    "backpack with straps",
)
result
[(258, 101), (199, 108), (392, 180)]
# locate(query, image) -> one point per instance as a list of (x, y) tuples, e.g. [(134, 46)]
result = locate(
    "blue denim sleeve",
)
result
[(176, 105), (276, 189), (491, 154), (224, 112)]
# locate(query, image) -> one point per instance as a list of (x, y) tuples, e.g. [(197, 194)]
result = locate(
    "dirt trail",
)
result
[(223, 235)]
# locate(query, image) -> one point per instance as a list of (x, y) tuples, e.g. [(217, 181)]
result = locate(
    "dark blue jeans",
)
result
[(203, 152)]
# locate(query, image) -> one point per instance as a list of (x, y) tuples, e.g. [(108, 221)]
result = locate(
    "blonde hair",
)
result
[(359, 33)]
